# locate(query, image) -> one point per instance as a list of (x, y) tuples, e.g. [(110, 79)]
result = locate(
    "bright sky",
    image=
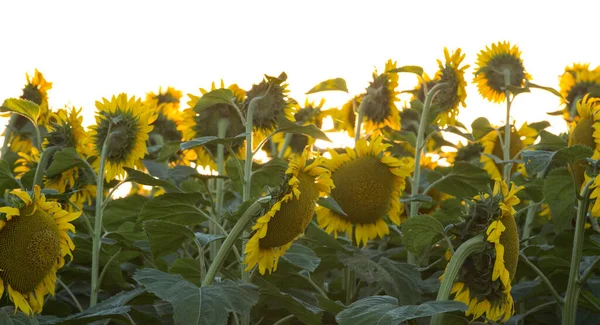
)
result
[(93, 49)]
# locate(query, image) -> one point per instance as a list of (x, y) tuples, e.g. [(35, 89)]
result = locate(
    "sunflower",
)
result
[(36, 90), (380, 108), (369, 183), (577, 81), (453, 94), (491, 64), (309, 114), (170, 96), (196, 124), (128, 120), (34, 241), (345, 118), (484, 282), (519, 139), (288, 216), (26, 162)]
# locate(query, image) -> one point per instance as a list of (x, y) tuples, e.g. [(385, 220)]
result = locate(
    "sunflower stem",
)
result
[(543, 277), (38, 137), (506, 146), (572, 296), (286, 143), (468, 248), (359, 118), (7, 134), (230, 241), (532, 209), (414, 206), (68, 290), (98, 221), (222, 126), (41, 167)]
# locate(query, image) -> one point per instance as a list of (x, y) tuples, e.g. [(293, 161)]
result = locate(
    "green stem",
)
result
[(468, 248), (532, 209), (68, 290), (589, 271), (359, 118), (286, 143), (507, 131), (543, 277), (105, 268), (98, 221), (230, 241), (7, 134), (283, 320), (42, 164), (38, 137), (414, 206), (572, 296), (201, 259), (222, 125)]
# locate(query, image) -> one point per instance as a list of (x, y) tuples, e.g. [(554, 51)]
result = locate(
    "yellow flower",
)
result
[(380, 108), (491, 66), (289, 215), (453, 94), (197, 124), (170, 96), (577, 81), (128, 120), (309, 114), (34, 241), (484, 283), (344, 119), (26, 162), (369, 183), (519, 139)]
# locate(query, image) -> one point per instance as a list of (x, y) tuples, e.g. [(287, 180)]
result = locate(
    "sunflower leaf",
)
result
[(560, 195), (548, 89), (481, 127), (305, 312), (384, 310), (537, 161), (420, 232), (328, 85), (179, 208), (166, 237), (122, 210), (408, 68), (26, 108), (145, 179), (549, 141), (310, 130), (209, 305), (214, 97), (211, 139), (303, 257), (574, 153), (188, 268), (66, 159), (330, 203), (461, 180), (7, 179)]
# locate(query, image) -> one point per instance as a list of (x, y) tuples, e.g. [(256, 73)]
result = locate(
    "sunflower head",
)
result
[(576, 82), (484, 281), (273, 104), (379, 108), (126, 120), (453, 94), (493, 64), (65, 129), (368, 185), (345, 118), (309, 114), (169, 96), (33, 244), (288, 214), (585, 131)]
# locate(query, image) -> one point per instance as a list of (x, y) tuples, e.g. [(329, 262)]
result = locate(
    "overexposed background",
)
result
[(93, 49)]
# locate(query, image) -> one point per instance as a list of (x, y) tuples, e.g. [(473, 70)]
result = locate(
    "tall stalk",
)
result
[(569, 312), (98, 221), (414, 205), (222, 125), (507, 129)]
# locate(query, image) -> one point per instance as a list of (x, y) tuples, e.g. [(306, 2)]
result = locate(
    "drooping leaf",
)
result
[(168, 150), (210, 139), (408, 68), (26, 108), (208, 305), (166, 237), (548, 89), (384, 310), (66, 159), (8, 317), (303, 257), (145, 179), (481, 127), (328, 85), (305, 312), (420, 232), (214, 97), (204, 238), (310, 130), (179, 208), (560, 196), (319, 235)]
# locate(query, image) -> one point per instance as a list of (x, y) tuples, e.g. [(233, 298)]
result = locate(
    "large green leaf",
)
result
[(537, 161), (166, 237), (574, 153), (7, 179), (174, 207), (66, 159), (8, 317), (310, 130), (305, 312), (208, 305), (408, 68), (122, 210), (561, 197), (145, 179), (26, 108), (462, 180), (400, 280), (384, 310), (303, 257), (420, 232), (269, 174), (210, 139), (188, 268), (214, 97), (328, 85), (313, 232), (330, 203), (551, 142)]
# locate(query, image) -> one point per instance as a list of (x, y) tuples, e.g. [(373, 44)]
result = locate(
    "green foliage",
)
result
[(560, 194), (420, 232), (25, 108), (329, 85)]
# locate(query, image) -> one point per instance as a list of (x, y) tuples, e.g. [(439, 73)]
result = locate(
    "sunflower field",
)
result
[(226, 208)]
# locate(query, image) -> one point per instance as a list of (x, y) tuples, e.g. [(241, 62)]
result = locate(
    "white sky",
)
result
[(93, 49)]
